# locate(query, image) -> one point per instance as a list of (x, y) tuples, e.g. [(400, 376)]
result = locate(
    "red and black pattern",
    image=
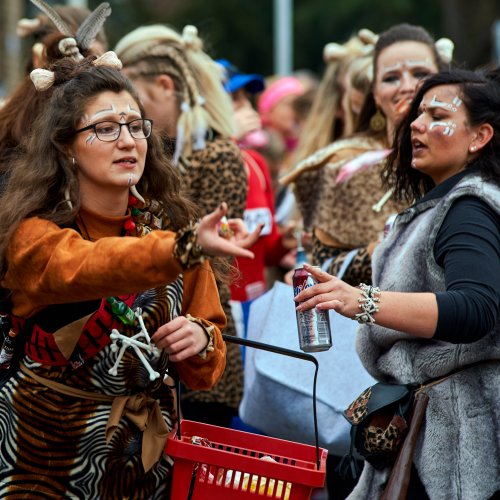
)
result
[(53, 445)]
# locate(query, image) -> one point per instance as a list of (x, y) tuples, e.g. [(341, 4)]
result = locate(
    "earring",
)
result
[(134, 192), (73, 161), (472, 149), (377, 121), (67, 198)]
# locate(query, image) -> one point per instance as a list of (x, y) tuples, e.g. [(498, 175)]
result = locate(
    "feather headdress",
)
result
[(88, 30)]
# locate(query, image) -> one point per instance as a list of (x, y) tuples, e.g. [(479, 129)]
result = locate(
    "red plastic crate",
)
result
[(232, 467)]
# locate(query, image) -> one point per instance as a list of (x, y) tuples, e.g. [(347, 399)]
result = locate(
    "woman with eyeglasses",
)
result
[(109, 293)]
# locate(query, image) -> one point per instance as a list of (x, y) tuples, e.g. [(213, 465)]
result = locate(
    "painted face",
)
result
[(104, 167), (400, 68), (441, 135)]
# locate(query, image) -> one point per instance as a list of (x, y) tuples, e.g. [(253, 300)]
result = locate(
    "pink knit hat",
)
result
[(288, 85)]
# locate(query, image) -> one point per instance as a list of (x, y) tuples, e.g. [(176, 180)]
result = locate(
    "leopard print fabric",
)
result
[(358, 271), (345, 210), (342, 211), (386, 439), (216, 174), (210, 176), (384, 433), (358, 409)]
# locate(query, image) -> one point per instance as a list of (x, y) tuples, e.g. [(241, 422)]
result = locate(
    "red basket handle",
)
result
[(277, 350)]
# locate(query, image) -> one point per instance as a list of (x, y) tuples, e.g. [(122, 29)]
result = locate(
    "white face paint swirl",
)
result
[(448, 127)]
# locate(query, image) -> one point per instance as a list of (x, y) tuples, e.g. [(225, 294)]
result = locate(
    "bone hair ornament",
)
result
[(334, 52), (25, 27), (445, 48), (43, 79), (368, 37), (190, 37), (68, 47)]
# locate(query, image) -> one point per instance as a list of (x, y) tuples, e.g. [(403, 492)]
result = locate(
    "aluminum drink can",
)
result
[(313, 326)]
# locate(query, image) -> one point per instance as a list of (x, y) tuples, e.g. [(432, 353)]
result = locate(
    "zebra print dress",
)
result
[(53, 445)]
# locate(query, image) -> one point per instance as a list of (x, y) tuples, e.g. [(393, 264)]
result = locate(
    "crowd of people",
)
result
[(151, 193)]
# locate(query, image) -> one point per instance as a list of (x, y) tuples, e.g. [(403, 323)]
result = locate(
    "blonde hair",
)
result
[(151, 50), (321, 127)]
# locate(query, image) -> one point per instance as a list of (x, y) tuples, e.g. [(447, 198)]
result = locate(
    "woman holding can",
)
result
[(434, 308)]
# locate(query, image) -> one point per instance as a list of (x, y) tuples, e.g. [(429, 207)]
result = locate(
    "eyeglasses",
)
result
[(110, 131)]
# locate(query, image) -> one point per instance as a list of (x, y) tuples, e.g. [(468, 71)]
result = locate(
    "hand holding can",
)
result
[(313, 326)]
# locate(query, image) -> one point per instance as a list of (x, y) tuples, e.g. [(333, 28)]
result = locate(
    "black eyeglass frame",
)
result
[(127, 124)]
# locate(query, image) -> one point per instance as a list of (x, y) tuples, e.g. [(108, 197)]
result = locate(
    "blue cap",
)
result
[(235, 79)]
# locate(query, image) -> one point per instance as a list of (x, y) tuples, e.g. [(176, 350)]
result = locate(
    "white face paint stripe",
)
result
[(409, 63), (446, 105), (394, 67), (91, 138), (449, 127), (111, 109), (425, 63)]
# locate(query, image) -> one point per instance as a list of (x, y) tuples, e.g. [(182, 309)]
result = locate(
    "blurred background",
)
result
[(276, 36)]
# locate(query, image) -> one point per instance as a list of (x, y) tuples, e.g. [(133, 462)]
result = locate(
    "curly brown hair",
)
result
[(41, 175)]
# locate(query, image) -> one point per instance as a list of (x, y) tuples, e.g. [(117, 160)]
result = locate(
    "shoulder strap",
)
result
[(436, 381)]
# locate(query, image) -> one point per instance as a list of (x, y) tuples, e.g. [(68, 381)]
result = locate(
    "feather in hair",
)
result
[(53, 16), (87, 32)]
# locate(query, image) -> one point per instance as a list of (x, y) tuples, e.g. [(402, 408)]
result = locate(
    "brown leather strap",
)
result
[(141, 409), (436, 381), (399, 479), (397, 486)]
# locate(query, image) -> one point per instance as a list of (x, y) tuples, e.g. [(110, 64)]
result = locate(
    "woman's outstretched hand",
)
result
[(330, 293), (214, 244), (412, 313)]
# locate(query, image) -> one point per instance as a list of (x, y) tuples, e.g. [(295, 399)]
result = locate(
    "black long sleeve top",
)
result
[(467, 247)]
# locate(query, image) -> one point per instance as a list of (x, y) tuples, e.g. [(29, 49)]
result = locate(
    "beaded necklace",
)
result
[(145, 216)]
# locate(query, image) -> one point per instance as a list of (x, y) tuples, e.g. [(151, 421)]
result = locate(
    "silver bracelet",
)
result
[(368, 303)]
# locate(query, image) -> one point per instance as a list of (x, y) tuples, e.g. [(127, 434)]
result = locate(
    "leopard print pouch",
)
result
[(380, 418)]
